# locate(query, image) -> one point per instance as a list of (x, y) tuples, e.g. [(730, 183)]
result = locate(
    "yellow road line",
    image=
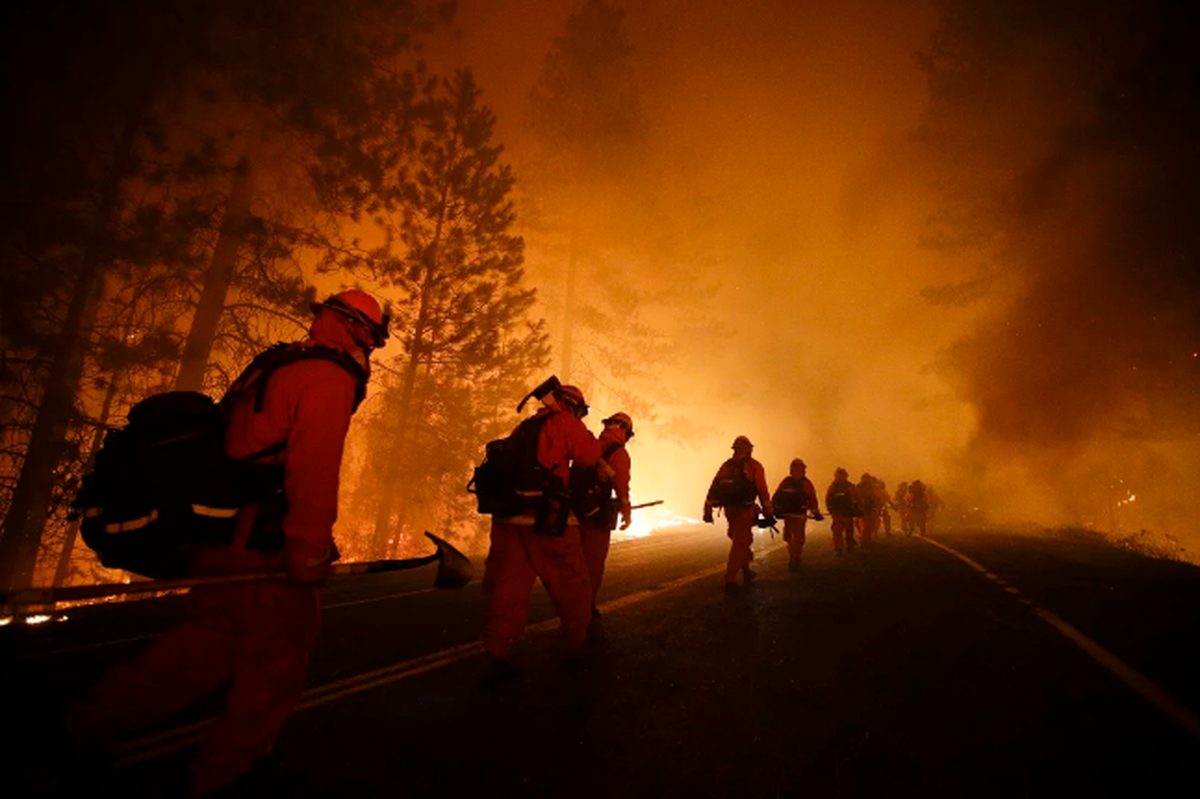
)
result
[(163, 743)]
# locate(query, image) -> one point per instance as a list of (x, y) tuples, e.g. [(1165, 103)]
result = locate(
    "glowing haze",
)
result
[(789, 133)]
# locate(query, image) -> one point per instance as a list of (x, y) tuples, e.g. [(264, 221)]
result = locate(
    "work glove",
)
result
[(767, 520), (308, 563), (708, 517), (626, 516)]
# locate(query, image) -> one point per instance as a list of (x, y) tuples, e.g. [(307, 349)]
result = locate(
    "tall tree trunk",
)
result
[(63, 571), (394, 451), (568, 350), (31, 498), (216, 282)]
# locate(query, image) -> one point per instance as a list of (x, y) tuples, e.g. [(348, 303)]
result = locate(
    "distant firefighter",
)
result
[(794, 499), (593, 489), (735, 487), (841, 500), (917, 500), (885, 504), (935, 505), (900, 503), (868, 499)]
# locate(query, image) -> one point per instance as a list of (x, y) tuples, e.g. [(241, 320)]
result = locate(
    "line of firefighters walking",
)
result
[(256, 637), (859, 511)]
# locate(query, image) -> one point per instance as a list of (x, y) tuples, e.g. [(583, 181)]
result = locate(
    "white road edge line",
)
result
[(1141, 685)]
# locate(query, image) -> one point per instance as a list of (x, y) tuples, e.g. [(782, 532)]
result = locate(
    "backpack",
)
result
[(591, 496), (162, 484), (732, 487), (841, 499), (916, 496), (790, 498), (511, 479), (866, 498)]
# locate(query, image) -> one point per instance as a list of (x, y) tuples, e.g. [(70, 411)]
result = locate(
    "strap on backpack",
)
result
[(258, 373)]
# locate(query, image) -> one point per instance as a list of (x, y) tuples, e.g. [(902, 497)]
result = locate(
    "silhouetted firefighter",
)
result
[(735, 487), (524, 484), (600, 494), (794, 499)]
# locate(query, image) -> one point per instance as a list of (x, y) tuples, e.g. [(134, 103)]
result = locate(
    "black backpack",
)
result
[(732, 487), (511, 480), (592, 497), (162, 484), (841, 499), (790, 498)]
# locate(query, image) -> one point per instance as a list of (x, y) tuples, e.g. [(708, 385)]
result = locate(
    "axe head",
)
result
[(454, 570)]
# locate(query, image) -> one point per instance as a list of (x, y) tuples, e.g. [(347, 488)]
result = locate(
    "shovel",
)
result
[(454, 571)]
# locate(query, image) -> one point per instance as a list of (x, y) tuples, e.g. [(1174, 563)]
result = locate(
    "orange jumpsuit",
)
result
[(900, 501), (259, 635), (741, 518), (794, 524), (885, 504), (918, 507), (597, 538), (868, 523), (842, 523), (518, 555)]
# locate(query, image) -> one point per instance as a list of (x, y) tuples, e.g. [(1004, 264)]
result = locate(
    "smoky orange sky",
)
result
[(787, 131), (794, 120)]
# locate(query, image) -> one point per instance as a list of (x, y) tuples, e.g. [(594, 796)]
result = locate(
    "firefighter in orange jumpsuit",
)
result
[(257, 635), (935, 505), (794, 499), (613, 469), (918, 506), (884, 499), (842, 502), (735, 487), (868, 498), (520, 552), (900, 502)]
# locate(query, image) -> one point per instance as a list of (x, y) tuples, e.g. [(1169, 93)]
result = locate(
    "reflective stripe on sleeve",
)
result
[(132, 524), (214, 513)]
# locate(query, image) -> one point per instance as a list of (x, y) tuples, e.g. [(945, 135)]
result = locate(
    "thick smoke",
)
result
[(974, 266)]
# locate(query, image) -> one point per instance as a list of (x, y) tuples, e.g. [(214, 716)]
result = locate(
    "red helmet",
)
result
[(360, 306), (622, 419), (742, 441), (572, 397)]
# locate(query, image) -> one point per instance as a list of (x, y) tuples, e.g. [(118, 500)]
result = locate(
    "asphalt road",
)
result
[(973, 664)]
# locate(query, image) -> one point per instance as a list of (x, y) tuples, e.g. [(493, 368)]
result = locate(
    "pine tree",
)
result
[(468, 344)]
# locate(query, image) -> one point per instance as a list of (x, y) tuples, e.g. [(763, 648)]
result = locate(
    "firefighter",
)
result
[(737, 484), (524, 547), (917, 501), (884, 500), (612, 475), (256, 636), (842, 502), (935, 505), (868, 498), (900, 503), (794, 499)]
